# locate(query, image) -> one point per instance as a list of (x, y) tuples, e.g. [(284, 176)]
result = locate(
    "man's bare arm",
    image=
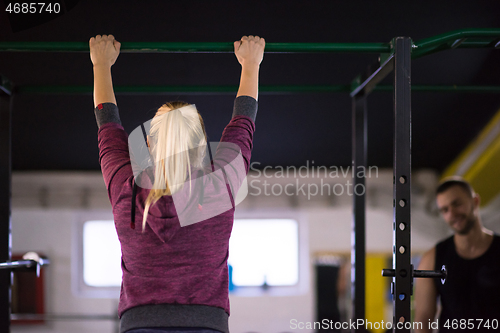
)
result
[(425, 294)]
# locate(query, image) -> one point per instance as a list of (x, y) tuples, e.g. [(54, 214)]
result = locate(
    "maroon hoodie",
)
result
[(172, 275)]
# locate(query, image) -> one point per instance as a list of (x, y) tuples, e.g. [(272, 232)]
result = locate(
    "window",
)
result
[(96, 262), (269, 246), (265, 256), (101, 255), (264, 252)]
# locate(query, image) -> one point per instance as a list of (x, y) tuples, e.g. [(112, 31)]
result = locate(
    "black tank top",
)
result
[(472, 289)]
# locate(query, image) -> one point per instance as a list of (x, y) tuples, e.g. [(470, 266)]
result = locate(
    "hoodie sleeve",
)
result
[(240, 131), (113, 150), (234, 151)]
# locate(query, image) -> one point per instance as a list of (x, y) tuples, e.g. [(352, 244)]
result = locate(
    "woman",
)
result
[(175, 278)]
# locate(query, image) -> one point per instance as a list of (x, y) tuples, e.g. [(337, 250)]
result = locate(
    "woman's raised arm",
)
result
[(249, 51), (103, 52)]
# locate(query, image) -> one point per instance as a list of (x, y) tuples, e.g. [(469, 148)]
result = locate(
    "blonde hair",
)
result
[(176, 132)]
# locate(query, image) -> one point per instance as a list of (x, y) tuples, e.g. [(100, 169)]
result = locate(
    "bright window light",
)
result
[(260, 250), (264, 250), (101, 254)]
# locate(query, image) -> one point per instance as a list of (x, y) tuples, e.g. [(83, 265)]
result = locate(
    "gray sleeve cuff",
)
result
[(245, 106), (107, 113)]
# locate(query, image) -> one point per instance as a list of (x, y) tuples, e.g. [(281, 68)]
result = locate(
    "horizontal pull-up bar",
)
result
[(450, 40), (188, 47), (50, 89)]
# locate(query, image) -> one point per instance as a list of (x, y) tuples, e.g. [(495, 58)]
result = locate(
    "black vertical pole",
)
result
[(5, 206), (402, 282), (359, 147)]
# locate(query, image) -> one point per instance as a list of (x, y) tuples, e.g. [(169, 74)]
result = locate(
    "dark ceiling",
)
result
[(58, 132)]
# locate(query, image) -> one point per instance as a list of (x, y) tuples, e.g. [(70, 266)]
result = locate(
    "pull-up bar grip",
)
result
[(200, 47), (422, 47)]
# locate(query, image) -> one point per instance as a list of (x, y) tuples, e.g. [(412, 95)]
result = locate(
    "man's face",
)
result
[(458, 209)]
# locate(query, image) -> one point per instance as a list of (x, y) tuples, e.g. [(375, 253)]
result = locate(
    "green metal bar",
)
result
[(464, 38), (487, 38), (420, 48), (59, 89), (457, 34), (77, 89), (187, 47)]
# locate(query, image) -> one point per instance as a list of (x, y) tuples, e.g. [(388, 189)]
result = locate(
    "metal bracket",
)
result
[(5, 85)]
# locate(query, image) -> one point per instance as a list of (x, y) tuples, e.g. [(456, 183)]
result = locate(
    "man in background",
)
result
[(470, 297)]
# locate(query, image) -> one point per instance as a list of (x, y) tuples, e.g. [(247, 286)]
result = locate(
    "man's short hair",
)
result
[(449, 182)]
